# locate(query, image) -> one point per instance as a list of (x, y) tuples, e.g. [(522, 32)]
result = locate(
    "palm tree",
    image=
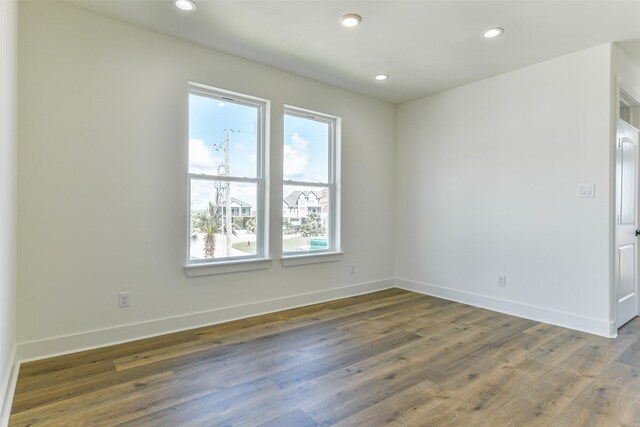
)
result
[(207, 222)]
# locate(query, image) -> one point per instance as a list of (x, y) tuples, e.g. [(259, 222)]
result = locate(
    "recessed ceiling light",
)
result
[(185, 5), (221, 104), (381, 77), (350, 20), (493, 32)]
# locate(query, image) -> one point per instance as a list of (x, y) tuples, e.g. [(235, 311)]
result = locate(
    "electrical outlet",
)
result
[(502, 281), (123, 299), (353, 269)]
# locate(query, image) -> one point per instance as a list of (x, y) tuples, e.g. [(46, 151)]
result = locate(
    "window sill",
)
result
[(196, 270), (293, 260)]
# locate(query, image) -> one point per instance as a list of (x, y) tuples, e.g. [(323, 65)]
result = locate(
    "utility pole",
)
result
[(227, 196)]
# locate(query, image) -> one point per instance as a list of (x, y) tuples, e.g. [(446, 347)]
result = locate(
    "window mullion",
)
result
[(225, 178), (305, 184)]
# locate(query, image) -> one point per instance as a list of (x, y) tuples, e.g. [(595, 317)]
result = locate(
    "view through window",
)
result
[(308, 207), (226, 176)]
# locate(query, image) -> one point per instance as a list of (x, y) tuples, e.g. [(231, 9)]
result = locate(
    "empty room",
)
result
[(319, 213)]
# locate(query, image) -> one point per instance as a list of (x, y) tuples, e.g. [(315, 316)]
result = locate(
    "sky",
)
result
[(208, 119), (305, 149)]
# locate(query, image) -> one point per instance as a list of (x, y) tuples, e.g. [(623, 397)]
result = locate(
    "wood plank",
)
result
[(199, 410), (397, 408), (238, 343), (559, 348), (61, 412), (631, 355), (341, 359), (72, 361), (386, 358), (631, 416), (297, 418), (304, 316), (609, 397)]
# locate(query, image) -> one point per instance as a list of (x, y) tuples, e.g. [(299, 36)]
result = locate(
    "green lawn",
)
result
[(289, 245), (242, 246), (293, 244)]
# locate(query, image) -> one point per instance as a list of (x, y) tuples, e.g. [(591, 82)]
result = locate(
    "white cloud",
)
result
[(201, 158), (295, 157), (201, 193)]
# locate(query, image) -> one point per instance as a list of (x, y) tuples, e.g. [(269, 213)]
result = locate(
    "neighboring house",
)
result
[(297, 205), (239, 208)]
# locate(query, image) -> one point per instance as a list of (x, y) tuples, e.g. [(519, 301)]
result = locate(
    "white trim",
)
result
[(613, 229), (224, 95), (304, 183), (333, 174), (40, 349), (310, 258), (260, 180), (540, 314), (613, 331), (292, 110), (225, 178), (8, 388), (223, 267)]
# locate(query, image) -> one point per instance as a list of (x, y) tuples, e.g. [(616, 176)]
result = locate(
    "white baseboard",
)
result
[(539, 314), (8, 388), (56, 346)]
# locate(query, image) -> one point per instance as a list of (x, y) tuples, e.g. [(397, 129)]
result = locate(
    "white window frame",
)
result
[(333, 251), (261, 259)]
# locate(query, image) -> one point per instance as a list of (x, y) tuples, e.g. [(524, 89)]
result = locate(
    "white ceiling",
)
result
[(424, 46)]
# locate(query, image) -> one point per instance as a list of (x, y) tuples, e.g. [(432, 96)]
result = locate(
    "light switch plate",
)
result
[(586, 190)]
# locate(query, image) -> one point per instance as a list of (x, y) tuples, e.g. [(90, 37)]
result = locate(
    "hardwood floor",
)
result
[(387, 358)]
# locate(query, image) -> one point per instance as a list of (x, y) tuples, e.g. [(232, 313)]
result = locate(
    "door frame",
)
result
[(622, 92)]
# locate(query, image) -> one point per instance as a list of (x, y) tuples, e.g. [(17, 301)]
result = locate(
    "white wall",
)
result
[(626, 72), (8, 163), (102, 183), (486, 184), (483, 179)]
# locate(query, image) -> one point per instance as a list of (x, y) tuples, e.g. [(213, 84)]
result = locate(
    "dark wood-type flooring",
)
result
[(387, 358)]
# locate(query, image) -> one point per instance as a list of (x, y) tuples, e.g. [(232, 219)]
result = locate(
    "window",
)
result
[(227, 173), (310, 211)]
